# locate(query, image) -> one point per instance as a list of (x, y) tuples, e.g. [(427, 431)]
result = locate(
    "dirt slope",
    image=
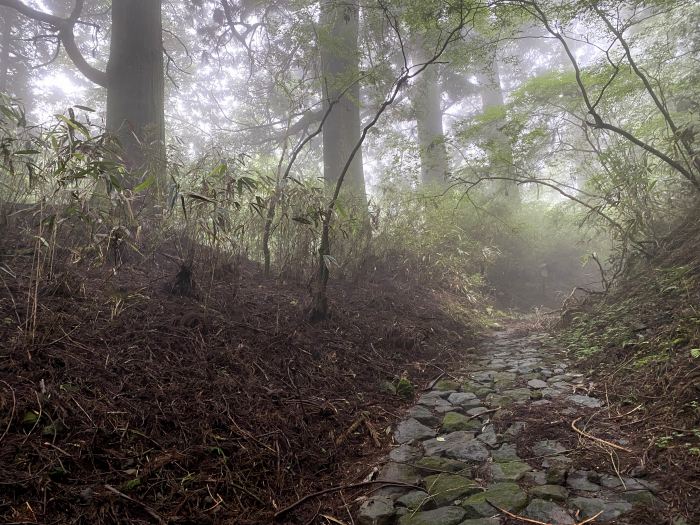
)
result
[(123, 402)]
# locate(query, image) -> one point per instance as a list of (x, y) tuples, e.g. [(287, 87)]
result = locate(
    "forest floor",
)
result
[(123, 401)]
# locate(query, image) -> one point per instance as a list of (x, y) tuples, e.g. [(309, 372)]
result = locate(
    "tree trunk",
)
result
[(427, 99), (341, 131), (499, 148), (135, 86), (7, 18)]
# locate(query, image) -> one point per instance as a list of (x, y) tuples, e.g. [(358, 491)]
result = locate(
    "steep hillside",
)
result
[(643, 343)]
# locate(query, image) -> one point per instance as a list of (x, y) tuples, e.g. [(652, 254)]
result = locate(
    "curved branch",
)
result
[(64, 26)]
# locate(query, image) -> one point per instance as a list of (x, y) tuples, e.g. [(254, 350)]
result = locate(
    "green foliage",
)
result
[(405, 389)]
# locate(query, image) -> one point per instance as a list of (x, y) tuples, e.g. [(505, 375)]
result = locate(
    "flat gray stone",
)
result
[(441, 516), (515, 429), (416, 500), (548, 512), (537, 384), (536, 477), (510, 471), (586, 401), (547, 447), (551, 393), (431, 400), (579, 480), (482, 521), (428, 396), (399, 472), (556, 475), (589, 507), (377, 510), (639, 497), (630, 484), (424, 415), (411, 430), (550, 492), (457, 445), (506, 452), (460, 397), (406, 453), (488, 436), (557, 462)]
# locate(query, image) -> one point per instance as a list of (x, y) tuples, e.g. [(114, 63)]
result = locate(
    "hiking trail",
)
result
[(493, 443)]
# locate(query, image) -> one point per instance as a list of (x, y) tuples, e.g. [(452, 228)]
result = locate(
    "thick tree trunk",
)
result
[(135, 85), (427, 104), (341, 88), (500, 150), (7, 18)]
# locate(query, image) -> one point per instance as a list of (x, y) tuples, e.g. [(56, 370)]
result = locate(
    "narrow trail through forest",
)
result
[(503, 441)]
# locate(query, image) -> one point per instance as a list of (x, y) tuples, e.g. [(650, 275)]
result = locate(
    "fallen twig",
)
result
[(586, 434), (145, 507), (373, 432), (354, 426), (12, 412), (306, 498), (432, 383), (484, 412), (628, 412)]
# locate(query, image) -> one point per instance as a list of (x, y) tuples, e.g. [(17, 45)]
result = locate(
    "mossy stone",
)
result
[(510, 471), (550, 492), (433, 464), (454, 421), (446, 488), (507, 496), (446, 384)]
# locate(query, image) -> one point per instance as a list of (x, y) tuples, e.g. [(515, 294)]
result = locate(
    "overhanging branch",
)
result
[(64, 26)]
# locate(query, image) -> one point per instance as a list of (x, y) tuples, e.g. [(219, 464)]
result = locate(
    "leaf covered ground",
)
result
[(122, 401)]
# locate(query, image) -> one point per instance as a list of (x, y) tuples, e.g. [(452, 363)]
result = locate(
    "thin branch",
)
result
[(599, 123), (598, 440)]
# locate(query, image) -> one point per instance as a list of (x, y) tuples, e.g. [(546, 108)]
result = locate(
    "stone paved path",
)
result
[(468, 458)]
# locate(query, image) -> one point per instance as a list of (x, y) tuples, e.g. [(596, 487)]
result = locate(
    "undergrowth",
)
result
[(642, 342)]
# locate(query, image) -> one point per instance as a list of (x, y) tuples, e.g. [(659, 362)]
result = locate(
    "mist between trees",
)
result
[(518, 149)]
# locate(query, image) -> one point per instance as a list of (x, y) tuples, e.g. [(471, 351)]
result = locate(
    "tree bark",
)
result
[(341, 131), (8, 17), (134, 78), (135, 84), (427, 105)]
